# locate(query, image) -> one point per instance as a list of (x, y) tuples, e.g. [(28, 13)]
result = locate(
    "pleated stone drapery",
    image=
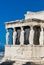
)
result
[(7, 37), (22, 36), (14, 36), (31, 36), (41, 36)]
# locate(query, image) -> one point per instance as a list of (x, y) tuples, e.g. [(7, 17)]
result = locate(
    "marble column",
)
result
[(41, 36), (14, 36), (31, 35), (7, 37), (22, 36)]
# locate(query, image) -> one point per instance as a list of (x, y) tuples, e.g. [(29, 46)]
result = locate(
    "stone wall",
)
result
[(25, 52)]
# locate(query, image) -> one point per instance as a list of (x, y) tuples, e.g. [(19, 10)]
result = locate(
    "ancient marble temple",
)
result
[(27, 39)]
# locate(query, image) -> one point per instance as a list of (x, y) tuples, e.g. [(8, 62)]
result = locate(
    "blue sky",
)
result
[(15, 9)]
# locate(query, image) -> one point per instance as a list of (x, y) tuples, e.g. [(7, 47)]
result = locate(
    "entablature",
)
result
[(28, 22)]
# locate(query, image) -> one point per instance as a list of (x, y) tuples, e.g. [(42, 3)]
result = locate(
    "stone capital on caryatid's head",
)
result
[(36, 15)]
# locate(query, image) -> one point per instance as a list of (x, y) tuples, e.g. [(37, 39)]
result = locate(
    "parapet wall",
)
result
[(24, 53)]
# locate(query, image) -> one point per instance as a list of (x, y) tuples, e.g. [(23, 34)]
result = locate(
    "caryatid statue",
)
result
[(22, 36), (31, 36), (41, 36), (14, 36), (7, 37)]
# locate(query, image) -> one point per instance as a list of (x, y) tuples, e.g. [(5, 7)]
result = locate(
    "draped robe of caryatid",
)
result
[(22, 37), (7, 37)]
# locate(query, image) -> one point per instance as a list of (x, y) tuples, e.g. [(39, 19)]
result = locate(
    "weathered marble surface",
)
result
[(27, 52)]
